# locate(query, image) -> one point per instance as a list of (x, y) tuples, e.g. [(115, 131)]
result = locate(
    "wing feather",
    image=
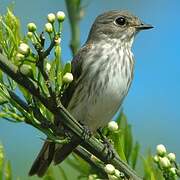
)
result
[(76, 71)]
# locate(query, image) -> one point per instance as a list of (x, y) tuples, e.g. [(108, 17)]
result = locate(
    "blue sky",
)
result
[(153, 103)]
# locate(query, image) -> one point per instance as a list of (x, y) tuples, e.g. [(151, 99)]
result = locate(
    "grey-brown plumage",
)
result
[(103, 72)]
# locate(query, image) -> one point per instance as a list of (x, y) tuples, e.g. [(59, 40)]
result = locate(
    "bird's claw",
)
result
[(86, 132), (109, 148)]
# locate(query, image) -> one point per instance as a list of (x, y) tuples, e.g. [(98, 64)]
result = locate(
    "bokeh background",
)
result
[(153, 103)]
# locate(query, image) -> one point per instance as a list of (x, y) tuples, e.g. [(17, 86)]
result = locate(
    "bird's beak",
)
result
[(144, 26)]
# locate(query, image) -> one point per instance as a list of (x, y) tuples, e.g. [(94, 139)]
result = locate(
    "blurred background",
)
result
[(152, 105)]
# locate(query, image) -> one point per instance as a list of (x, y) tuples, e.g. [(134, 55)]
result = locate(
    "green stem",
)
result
[(73, 7)]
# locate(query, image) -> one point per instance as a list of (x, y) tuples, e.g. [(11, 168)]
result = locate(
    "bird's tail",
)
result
[(50, 152), (43, 160), (63, 151)]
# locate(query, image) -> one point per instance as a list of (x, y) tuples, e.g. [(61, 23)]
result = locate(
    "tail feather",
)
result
[(51, 151), (43, 160), (63, 151)]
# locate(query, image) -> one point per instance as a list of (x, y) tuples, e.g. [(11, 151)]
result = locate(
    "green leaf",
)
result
[(42, 84), (134, 155), (1, 161), (3, 100), (25, 93), (49, 174), (67, 68), (79, 164), (52, 73), (122, 120), (59, 81), (1, 76), (9, 34), (150, 170), (8, 171), (128, 141), (118, 139), (63, 174)]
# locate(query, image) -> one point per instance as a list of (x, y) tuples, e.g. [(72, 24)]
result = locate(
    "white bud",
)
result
[(57, 41), (164, 162), (68, 77), (51, 17), (60, 16), (156, 158), (31, 27), (171, 157), (173, 171), (48, 66), (29, 34), (113, 126), (92, 177), (161, 150), (48, 28), (19, 56), (117, 173), (112, 177), (109, 169), (26, 70), (24, 49)]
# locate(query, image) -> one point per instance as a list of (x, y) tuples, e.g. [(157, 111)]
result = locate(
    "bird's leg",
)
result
[(107, 145)]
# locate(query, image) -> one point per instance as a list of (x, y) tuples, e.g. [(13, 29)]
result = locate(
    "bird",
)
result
[(103, 71)]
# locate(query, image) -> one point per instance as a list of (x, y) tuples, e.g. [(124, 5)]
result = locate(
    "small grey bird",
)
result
[(103, 71)]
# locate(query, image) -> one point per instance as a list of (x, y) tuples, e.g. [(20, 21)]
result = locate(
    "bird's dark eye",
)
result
[(120, 20)]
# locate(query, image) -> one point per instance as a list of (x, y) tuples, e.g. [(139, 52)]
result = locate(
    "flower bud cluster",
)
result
[(32, 34), (112, 172), (49, 26), (60, 15), (51, 17), (165, 161)]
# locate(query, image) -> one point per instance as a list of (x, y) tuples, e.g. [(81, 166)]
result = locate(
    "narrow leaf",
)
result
[(134, 156), (8, 171)]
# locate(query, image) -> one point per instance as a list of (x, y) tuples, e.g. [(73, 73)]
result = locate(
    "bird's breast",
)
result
[(104, 84)]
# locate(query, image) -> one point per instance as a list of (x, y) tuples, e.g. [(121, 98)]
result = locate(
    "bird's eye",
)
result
[(120, 21)]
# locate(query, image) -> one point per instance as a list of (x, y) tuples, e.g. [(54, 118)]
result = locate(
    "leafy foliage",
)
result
[(5, 166)]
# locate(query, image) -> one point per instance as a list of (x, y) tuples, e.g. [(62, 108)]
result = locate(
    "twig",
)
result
[(40, 64), (48, 50), (87, 157)]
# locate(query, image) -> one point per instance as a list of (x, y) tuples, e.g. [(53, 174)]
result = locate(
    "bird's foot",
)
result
[(110, 150), (86, 132), (46, 124), (107, 146)]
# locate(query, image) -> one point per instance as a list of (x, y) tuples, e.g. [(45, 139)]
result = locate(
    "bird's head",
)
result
[(120, 25)]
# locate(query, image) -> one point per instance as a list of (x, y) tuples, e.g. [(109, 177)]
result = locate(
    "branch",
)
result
[(17, 75), (91, 144), (87, 157)]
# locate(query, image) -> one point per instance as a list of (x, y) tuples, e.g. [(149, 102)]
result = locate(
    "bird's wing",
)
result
[(76, 71), (64, 150)]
